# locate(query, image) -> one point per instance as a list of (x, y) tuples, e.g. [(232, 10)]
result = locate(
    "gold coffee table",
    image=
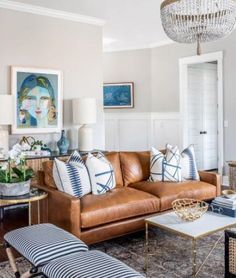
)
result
[(35, 195), (208, 224)]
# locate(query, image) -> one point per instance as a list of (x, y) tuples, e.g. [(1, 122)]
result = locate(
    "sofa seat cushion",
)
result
[(117, 204), (168, 191)]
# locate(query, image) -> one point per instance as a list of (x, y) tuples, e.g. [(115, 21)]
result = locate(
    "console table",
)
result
[(36, 162)]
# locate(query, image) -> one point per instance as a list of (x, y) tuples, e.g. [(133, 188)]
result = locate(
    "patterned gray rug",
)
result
[(172, 257)]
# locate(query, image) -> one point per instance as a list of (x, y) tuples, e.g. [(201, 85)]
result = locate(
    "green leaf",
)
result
[(2, 176), (15, 179), (18, 172), (29, 173)]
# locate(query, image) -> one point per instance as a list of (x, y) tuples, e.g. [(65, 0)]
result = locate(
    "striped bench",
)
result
[(91, 264), (55, 253)]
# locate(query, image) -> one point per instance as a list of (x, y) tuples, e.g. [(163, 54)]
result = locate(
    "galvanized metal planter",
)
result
[(14, 189)]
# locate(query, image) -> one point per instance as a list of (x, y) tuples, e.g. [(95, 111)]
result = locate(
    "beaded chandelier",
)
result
[(190, 21)]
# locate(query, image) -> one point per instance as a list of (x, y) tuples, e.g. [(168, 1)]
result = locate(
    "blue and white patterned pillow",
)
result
[(172, 164), (165, 167), (101, 173), (72, 176), (189, 165), (156, 165)]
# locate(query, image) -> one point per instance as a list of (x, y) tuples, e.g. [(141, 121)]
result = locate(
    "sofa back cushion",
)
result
[(135, 166), (48, 174)]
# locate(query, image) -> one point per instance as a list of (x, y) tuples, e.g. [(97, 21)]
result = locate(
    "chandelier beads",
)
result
[(190, 21)]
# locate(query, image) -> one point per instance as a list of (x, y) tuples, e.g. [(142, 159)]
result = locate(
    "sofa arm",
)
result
[(61, 209), (212, 178)]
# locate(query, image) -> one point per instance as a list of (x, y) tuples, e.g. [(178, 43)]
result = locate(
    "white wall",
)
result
[(74, 48), (167, 81), (141, 131), (137, 128), (164, 81), (130, 66)]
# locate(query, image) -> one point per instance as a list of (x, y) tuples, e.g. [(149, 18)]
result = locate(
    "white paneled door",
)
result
[(202, 121)]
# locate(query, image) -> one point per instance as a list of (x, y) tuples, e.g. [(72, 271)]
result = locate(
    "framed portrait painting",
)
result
[(37, 100), (118, 95)]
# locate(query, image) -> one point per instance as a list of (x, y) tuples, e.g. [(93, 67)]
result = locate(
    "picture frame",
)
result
[(118, 95), (37, 95)]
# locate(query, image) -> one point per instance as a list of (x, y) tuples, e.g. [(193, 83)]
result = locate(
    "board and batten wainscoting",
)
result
[(141, 131)]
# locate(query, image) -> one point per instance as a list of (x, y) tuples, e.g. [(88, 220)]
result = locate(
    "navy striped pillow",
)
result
[(72, 176)]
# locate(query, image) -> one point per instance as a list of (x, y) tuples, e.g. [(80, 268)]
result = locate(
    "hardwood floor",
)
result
[(13, 219)]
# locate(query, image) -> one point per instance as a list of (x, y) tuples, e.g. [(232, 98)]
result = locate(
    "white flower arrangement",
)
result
[(15, 169)]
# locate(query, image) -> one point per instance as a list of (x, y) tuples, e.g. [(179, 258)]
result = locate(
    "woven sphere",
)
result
[(189, 21)]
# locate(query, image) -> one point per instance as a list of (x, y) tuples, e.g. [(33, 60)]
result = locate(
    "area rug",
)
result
[(171, 259)]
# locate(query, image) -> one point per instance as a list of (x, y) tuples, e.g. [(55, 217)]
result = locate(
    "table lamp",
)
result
[(6, 118), (85, 113)]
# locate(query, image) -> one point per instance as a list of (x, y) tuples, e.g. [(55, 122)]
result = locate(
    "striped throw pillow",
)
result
[(101, 173), (189, 165), (72, 176)]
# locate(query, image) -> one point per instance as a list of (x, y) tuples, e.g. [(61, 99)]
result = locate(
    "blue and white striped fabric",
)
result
[(75, 158), (91, 264), (101, 173), (72, 176), (43, 243), (189, 165), (165, 167)]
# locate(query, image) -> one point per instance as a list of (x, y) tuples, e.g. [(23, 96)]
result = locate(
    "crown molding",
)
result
[(133, 48), (161, 43), (33, 9)]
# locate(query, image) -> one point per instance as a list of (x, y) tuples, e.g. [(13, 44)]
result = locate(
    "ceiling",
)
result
[(130, 24)]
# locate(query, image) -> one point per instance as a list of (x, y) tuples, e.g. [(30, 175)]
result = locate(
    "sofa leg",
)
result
[(11, 259)]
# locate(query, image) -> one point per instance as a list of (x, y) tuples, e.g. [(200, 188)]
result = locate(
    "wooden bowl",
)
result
[(189, 209)]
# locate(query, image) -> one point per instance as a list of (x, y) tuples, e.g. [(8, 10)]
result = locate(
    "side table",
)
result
[(35, 195)]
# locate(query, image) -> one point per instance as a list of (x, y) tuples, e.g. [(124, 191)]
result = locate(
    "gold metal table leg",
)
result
[(38, 203), (30, 220), (194, 258), (146, 247), (208, 255)]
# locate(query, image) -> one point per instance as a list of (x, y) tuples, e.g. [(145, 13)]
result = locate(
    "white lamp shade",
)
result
[(84, 111), (6, 109)]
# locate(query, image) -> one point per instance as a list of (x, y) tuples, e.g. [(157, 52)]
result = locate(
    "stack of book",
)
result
[(224, 206)]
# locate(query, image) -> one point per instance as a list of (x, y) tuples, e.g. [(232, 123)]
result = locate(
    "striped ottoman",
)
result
[(41, 244), (91, 264), (55, 253)]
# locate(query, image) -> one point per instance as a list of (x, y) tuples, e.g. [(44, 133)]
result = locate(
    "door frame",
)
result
[(183, 88)]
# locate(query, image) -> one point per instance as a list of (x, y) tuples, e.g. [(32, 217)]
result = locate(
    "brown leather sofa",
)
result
[(122, 210)]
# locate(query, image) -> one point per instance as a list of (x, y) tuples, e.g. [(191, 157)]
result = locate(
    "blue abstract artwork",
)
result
[(38, 100), (119, 95)]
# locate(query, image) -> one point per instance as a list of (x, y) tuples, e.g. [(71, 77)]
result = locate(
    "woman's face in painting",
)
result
[(37, 102)]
